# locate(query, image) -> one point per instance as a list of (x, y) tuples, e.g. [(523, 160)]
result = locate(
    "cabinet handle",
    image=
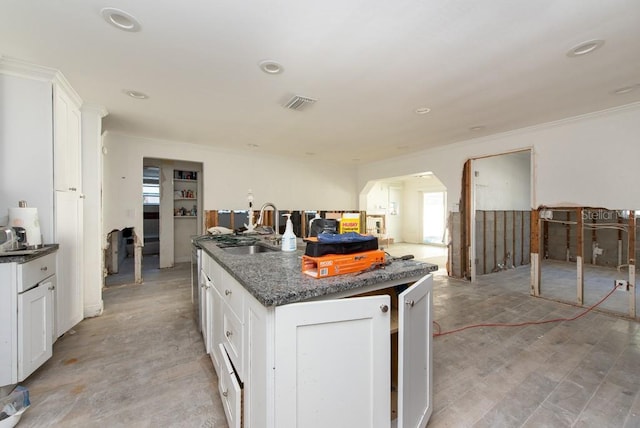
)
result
[(51, 288), (410, 303), (73, 189), (225, 393), (227, 292), (43, 268), (384, 308), (228, 333)]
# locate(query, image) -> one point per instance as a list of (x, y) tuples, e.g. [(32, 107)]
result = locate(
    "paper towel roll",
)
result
[(27, 218)]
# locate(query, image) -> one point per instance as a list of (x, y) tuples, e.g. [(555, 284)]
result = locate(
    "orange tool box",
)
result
[(339, 264)]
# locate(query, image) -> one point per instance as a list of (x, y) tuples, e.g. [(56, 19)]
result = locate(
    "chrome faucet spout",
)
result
[(275, 213)]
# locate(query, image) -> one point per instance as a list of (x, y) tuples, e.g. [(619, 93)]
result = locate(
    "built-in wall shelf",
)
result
[(185, 216)]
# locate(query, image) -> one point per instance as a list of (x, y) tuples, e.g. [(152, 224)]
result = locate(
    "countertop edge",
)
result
[(276, 279), (40, 252)]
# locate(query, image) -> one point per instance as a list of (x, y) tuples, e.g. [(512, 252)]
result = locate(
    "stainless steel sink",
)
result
[(249, 249)]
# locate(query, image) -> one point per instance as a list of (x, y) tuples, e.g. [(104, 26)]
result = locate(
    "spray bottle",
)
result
[(288, 238)]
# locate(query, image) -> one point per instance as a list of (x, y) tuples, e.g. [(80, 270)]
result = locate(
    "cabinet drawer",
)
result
[(230, 392), (232, 294), (34, 271), (232, 339)]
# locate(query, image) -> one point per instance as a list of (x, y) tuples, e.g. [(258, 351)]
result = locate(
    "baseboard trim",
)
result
[(94, 310)]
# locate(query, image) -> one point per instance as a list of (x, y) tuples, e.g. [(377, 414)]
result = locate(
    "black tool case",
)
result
[(318, 249)]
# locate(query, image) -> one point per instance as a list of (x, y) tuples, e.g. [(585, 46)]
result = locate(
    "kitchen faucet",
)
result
[(275, 213)]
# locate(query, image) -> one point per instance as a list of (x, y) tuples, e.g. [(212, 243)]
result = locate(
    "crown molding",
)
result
[(19, 68)]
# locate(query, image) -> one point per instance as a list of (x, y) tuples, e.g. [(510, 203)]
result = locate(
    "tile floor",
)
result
[(142, 363)]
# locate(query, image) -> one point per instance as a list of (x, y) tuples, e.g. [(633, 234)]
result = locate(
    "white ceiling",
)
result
[(499, 64)]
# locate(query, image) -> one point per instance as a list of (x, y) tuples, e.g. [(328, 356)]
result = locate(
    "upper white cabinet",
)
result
[(67, 143)]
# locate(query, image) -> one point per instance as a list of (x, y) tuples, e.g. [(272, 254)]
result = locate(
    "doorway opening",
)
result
[(407, 214), (151, 215)]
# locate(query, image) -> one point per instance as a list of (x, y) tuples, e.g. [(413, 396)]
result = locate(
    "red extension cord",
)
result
[(440, 333)]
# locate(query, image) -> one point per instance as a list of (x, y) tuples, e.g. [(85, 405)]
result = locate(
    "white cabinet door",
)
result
[(70, 295), (415, 381), (205, 310), (67, 143), (215, 327), (332, 362), (35, 323), (8, 325)]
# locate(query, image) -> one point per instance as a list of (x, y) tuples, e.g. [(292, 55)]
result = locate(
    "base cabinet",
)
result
[(334, 362), (70, 292), (35, 327), (26, 317)]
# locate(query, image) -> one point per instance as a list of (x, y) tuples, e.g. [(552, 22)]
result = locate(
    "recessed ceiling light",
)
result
[(270, 67), (422, 110), (625, 90), (136, 94), (585, 48), (120, 19), (476, 128), (427, 174)]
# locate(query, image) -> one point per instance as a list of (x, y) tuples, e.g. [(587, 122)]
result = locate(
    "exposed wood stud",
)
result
[(495, 239), (137, 254), (632, 264), (484, 242), (534, 231), (579, 255)]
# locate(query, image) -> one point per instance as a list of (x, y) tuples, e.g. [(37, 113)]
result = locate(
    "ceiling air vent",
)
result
[(298, 102)]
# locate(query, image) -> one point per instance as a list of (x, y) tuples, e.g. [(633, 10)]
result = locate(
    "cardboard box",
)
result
[(339, 264), (350, 222)]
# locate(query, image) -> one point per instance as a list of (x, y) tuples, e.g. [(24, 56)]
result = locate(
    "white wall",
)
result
[(503, 182), (289, 184), (586, 161), (26, 148)]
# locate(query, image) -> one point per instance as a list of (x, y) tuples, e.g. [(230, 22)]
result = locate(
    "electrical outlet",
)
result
[(621, 283)]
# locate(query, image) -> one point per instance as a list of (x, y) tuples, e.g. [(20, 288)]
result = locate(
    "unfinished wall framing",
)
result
[(584, 254), (502, 240)]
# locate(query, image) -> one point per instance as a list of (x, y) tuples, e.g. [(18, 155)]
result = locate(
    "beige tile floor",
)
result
[(142, 363)]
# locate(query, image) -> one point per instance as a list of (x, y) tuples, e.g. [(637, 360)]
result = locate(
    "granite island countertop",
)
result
[(23, 256), (275, 278)]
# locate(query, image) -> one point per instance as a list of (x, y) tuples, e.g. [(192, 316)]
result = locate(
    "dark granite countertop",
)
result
[(275, 278), (24, 256)]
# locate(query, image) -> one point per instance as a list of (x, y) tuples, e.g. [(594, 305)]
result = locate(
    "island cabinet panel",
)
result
[(414, 353), (332, 363), (206, 304)]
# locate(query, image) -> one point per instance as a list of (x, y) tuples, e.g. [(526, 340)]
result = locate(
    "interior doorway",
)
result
[(500, 212), (401, 215)]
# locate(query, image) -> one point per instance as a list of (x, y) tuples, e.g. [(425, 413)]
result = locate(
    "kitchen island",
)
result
[(295, 351)]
